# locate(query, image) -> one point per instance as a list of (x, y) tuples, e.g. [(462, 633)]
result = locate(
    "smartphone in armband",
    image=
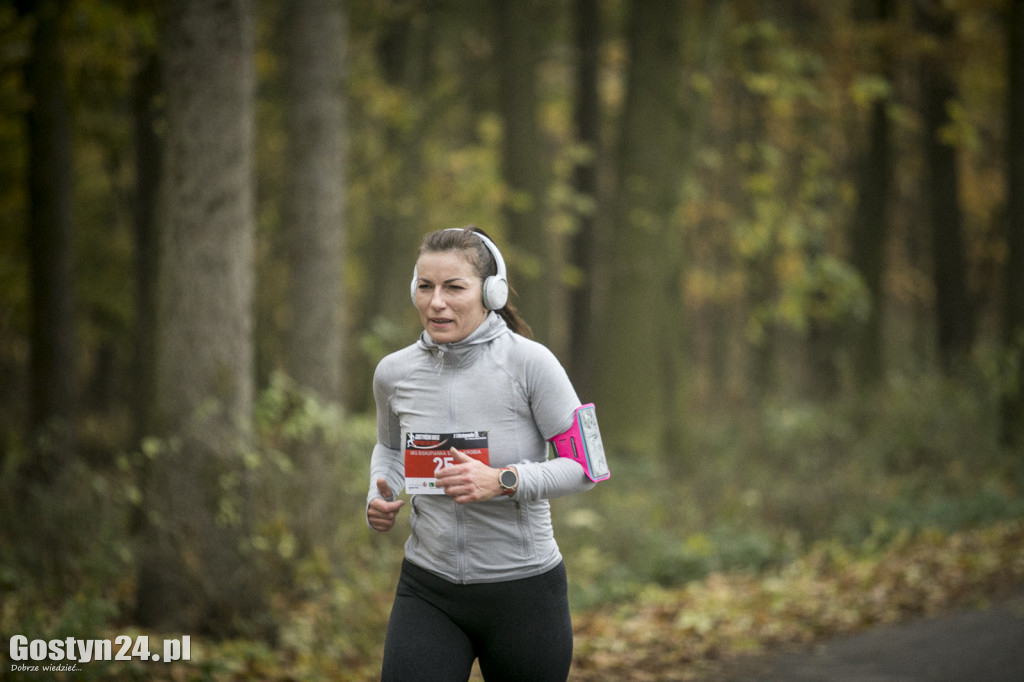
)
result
[(582, 444)]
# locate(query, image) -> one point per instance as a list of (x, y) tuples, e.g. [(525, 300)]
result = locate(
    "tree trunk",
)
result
[(637, 373), (314, 43), (1013, 315), (761, 288), (954, 313), (193, 576), (404, 52), (314, 206), (146, 89), (523, 164), (587, 116), (41, 516), (870, 224), (50, 189)]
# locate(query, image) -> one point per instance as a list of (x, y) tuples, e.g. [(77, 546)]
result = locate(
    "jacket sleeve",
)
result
[(386, 461), (554, 478), (553, 401)]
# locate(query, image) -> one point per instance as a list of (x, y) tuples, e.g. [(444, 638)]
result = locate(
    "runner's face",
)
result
[(448, 296)]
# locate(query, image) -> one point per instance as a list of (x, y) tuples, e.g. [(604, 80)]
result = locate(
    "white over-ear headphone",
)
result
[(495, 287)]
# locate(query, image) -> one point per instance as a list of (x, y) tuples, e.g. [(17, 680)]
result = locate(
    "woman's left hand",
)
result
[(468, 480)]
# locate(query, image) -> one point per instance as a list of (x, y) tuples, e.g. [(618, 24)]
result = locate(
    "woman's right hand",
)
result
[(381, 513)]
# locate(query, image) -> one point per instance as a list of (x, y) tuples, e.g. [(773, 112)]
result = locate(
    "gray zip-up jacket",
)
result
[(515, 389)]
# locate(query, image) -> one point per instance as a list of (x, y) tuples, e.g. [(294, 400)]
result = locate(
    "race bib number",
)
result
[(427, 453)]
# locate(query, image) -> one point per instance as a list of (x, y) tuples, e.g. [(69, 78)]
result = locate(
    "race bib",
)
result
[(427, 453)]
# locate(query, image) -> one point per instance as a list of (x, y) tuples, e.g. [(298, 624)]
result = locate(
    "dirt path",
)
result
[(962, 646)]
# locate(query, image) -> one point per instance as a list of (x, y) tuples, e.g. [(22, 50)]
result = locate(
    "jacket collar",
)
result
[(491, 328)]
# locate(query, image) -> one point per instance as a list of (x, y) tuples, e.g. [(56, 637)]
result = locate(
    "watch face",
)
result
[(508, 479)]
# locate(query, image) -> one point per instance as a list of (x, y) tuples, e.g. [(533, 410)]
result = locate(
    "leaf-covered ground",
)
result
[(692, 632), (683, 634)]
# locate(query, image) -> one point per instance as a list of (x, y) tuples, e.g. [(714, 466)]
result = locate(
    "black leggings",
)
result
[(519, 629)]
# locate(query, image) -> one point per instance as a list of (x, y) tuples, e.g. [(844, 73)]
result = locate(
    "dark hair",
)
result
[(480, 258)]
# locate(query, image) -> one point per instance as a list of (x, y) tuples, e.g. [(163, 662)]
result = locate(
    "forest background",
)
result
[(780, 244)]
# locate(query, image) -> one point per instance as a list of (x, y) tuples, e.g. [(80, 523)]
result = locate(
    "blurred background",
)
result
[(780, 244)]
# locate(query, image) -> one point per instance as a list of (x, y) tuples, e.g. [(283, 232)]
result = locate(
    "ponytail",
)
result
[(514, 320)]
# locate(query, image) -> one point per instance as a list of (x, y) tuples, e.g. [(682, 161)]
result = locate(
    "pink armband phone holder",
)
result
[(582, 444)]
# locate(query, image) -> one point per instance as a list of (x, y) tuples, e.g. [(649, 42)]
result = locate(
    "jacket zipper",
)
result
[(460, 530), (460, 552)]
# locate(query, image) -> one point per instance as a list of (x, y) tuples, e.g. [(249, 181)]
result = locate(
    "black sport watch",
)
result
[(508, 479)]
